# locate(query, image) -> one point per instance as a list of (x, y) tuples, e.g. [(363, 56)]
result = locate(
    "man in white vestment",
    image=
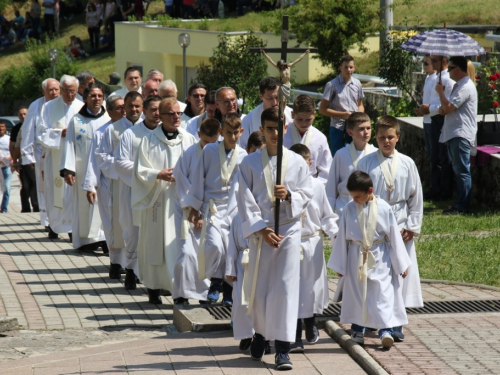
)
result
[(86, 226), (153, 192), (99, 187), (194, 124), (124, 165), (155, 75), (105, 160), (51, 134), (195, 100), (85, 79), (133, 81), (268, 93), (226, 102), (168, 89), (150, 88), (31, 150)]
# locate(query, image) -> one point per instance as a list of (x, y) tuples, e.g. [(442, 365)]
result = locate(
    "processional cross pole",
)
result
[(284, 94)]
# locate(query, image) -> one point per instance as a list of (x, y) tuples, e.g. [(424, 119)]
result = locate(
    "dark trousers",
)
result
[(50, 26), (93, 37), (441, 172), (28, 189)]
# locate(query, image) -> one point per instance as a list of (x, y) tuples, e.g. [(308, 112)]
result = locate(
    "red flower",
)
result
[(495, 104), (493, 87), (493, 77), (478, 77), (497, 74)]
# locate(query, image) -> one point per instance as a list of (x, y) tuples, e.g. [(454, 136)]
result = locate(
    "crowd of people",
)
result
[(182, 197)]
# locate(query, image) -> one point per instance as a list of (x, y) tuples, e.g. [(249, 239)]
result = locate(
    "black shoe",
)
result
[(203, 302), (283, 362), (47, 229), (70, 236), (104, 246), (312, 337), (227, 294), (245, 344), (89, 247), (115, 271), (257, 347), (154, 296), (267, 347), (181, 301), (52, 235), (130, 283), (165, 293), (297, 347)]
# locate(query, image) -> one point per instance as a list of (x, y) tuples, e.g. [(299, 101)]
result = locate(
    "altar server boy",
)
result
[(302, 131), (313, 278), (370, 254), (187, 284), (346, 160), (396, 180), (209, 194), (274, 258), (237, 259)]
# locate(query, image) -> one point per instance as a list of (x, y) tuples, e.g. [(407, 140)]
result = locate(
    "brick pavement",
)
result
[(48, 285)]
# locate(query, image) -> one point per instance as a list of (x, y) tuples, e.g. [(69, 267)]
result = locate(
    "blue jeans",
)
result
[(381, 331), (338, 139), (7, 177), (459, 150), (441, 173)]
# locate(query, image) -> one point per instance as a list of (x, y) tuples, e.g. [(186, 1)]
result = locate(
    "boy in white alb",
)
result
[(274, 258), (396, 180), (313, 277), (186, 282), (369, 254), (347, 158), (237, 259), (302, 131), (209, 194)]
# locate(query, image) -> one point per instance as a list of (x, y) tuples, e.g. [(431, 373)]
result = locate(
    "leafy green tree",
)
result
[(332, 26), (232, 64)]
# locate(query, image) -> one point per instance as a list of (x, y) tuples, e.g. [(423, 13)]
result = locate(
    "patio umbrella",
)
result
[(443, 42)]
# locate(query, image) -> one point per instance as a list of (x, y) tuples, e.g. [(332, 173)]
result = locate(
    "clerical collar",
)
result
[(86, 112), (170, 135)]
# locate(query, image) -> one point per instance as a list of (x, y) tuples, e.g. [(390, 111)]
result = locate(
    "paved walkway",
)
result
[(77, 321)]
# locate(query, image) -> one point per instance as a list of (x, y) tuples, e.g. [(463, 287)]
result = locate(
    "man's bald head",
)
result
[(150, 88)]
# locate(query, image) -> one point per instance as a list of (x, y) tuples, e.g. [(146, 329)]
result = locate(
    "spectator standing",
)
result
[(459, 129), (48, 16), (5, 162), (187, 8), (343, 95), (109, 14), (169, 7), (93, 25), (35, 12)]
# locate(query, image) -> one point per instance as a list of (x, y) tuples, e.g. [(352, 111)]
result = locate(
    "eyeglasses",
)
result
[(450, 68), (228, 101), (172, 114), (70, 91), (198, 96)]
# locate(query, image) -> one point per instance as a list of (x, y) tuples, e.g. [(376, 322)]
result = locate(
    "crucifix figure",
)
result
[(284, 95)]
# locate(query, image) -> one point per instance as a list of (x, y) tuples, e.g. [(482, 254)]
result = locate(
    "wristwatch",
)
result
[(288, 197)]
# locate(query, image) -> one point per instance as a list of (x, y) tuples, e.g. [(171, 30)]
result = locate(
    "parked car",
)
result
[(10, 121)]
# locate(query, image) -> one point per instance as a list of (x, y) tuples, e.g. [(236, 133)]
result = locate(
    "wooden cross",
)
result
[(283, 50)]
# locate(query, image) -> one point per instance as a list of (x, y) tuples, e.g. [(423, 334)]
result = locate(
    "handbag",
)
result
[(488, 132)]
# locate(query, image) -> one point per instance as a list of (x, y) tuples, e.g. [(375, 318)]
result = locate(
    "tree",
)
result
[(332, 26), (232, 64)]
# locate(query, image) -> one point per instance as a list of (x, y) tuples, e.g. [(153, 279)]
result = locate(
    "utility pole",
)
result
[(386, 19)]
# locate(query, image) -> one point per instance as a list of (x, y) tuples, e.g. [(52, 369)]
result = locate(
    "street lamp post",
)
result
[(53, 56), (184, 40)]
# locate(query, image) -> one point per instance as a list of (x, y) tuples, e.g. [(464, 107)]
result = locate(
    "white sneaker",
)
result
[(358, 338), (387, 340)]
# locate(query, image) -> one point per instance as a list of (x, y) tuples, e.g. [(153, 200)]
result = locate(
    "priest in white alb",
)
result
[(124, 164), (31, 150), (51, 133), (154, 193), (99, 188)]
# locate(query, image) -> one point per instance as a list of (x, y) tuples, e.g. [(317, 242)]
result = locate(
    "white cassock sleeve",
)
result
[(145, 185), (28, 134), (68, 160), (105, 155), (324, 160), (415, 201), (124, 164), (332, 190), (49, 138), (91, 180), (194, 198), (328, 217), (181, 175), (399, 256), (232, 250)]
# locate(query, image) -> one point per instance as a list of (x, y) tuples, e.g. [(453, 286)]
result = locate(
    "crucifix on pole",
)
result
[(284, 94)]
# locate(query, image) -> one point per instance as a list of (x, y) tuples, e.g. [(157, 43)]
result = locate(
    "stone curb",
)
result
[(357, 353), (8, 324), (459, 283)]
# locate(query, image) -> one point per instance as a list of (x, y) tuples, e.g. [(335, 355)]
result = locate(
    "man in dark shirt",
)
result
[(26, 172)]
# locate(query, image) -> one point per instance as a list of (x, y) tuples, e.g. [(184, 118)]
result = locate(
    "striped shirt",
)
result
[(343, 97)]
